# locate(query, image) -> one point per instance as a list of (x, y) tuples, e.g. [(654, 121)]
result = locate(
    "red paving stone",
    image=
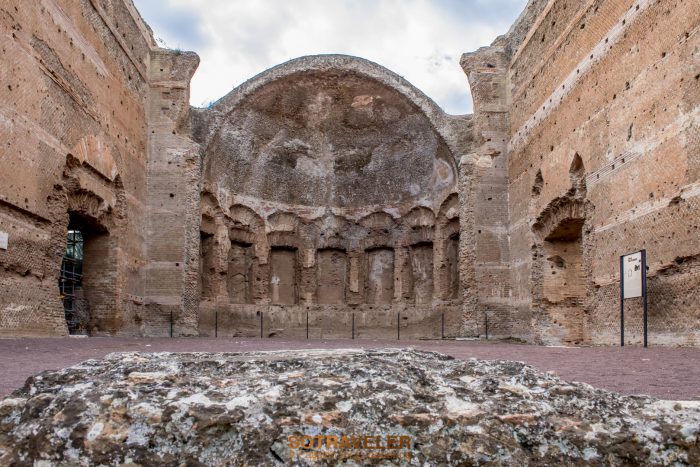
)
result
[(665, 373)]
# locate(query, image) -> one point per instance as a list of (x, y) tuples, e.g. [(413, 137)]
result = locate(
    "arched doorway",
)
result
[(70, 285), (87, 278), (559, 274)]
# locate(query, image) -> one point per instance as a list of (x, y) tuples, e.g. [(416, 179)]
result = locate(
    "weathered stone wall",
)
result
[(603, 129), (485, 197), (329, 191), (173, 184), (74, 140), (329, 195), (77, 107)]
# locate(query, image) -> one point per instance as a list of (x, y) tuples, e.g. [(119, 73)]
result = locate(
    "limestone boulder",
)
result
[(324, 407)]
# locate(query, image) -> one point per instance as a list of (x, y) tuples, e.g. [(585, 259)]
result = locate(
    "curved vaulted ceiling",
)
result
[(330, 131)]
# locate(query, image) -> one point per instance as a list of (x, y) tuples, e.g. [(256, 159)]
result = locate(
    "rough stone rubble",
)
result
[(242, 408)]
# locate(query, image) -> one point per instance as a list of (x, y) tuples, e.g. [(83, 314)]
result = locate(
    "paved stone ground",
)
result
[(665, 373)]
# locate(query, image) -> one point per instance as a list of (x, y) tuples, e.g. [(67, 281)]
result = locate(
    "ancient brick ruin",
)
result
[(329, 197)]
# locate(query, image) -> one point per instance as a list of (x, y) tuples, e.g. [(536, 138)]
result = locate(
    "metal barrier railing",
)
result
[(264, 323)]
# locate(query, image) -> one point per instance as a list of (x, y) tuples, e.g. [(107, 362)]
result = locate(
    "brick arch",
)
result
[(552, 221), (449, 209), (243, 216), (95, 206), (282, 221), (105, 206), (560, 277), (419, 216), (333, 232), (209, 205)]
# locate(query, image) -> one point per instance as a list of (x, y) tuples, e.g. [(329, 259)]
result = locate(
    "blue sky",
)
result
[(421, 40)]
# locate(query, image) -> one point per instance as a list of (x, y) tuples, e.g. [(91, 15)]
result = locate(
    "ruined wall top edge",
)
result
[(454, 129)]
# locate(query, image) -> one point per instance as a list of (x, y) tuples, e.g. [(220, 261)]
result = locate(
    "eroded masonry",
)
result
[(328, 197)]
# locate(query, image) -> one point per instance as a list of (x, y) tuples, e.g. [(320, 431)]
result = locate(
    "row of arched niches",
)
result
[(283, 259), (328, 201)]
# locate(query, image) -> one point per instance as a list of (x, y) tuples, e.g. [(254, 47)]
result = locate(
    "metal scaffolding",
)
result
[(70, 284)]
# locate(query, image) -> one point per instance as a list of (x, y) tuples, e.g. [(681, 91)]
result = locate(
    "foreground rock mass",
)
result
[(351, 406)]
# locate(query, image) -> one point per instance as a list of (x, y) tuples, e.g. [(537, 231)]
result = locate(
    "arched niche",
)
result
[(96, 216), (559, 273)]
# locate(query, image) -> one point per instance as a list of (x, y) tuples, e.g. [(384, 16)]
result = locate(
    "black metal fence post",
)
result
[(261, 324), (622, 302), (307, 324), (216, 323), (486, 325), (398, 326), (644, 293), (353, 325), (171, 324), (442, 327)]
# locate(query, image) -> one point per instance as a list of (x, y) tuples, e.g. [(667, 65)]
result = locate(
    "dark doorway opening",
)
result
[(70, 284), (85, 282)]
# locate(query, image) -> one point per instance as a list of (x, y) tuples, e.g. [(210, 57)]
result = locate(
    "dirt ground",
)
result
[(665, 373)]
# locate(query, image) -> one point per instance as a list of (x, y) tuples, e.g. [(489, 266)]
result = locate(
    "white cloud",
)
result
[(421, 40)]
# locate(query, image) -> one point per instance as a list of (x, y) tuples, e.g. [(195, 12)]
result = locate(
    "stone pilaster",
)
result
[(484, 197), (173, 181)]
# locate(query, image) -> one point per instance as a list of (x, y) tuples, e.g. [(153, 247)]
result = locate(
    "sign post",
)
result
[(633, 283)]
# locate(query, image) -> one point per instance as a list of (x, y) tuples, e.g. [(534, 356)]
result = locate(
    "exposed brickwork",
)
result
[(340, 180), (173, 193), (614, 83), (74, 141), (329, 187)]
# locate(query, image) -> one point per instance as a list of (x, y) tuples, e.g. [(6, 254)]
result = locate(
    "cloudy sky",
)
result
[(421, 40)]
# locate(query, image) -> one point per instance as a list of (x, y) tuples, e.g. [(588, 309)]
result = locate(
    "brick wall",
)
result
[(614, 83), (173, 183), (74, 140)]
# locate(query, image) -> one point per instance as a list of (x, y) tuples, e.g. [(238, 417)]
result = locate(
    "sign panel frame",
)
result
[(633, 284), (632, 275)]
